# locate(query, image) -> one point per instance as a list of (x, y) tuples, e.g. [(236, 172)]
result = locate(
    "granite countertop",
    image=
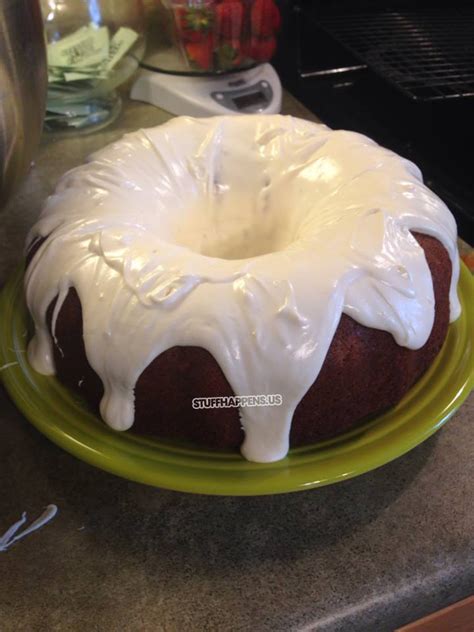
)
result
[(368, 554)]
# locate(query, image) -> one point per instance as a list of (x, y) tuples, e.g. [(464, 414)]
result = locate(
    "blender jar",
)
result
[(206, 37)]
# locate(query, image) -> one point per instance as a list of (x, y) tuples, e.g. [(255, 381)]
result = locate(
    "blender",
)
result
[(210, 57)]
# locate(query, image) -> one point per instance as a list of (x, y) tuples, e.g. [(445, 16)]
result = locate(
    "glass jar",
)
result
[(93, 46), (209, 37)]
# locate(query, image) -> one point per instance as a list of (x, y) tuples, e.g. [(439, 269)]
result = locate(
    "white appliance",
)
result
[(250, 91)]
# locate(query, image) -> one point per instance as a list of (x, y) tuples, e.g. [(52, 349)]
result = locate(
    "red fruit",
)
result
[(262, 49), (246, 48), (264, 18), (229, 19), (193, 36), (200, 53), (276, 18), (229, 55), (194, 24)]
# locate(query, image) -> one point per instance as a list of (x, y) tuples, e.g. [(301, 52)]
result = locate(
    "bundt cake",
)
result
[(243, 281)]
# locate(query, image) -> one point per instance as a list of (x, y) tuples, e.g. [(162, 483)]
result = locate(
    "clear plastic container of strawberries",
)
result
[(223, 35)]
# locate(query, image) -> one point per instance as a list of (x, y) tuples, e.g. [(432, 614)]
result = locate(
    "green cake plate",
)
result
[(65, 419)]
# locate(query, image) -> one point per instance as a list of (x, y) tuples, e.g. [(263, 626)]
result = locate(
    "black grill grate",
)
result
[(429, 55)]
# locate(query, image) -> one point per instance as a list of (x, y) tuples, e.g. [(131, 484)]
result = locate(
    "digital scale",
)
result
[(252, 91)]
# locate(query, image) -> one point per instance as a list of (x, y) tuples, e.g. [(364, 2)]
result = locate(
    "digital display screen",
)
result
[(247, 100)]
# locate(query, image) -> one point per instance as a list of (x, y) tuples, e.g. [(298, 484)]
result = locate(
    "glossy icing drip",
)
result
[(247, 236)]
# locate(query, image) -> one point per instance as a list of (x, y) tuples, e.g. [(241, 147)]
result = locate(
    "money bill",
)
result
[(120, 44), (88, 46), (88, 54)]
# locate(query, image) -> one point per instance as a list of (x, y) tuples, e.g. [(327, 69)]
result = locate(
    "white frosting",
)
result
[(247, 236)]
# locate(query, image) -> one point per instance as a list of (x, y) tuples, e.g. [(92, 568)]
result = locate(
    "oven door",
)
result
[(403, 76)]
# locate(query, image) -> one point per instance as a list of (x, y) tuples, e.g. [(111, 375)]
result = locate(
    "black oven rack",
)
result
[(427, 54)]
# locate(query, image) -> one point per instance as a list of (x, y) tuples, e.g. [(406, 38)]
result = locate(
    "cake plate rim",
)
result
[(63, 418)]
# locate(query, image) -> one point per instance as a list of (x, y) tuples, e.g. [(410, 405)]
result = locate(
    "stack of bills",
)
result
[(80, 61), (88, 54)]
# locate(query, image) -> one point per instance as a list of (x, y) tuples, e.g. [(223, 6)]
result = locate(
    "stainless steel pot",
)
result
[(23, 84)]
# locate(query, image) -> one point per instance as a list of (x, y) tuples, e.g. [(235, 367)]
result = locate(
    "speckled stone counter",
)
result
[(369, 554)]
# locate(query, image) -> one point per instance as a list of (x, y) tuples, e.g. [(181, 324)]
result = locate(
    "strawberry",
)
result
[(276, 18), (262, 49), (229, 55), (264, 18), (246, 47), (200, 53), (229, 19), (194, 23)]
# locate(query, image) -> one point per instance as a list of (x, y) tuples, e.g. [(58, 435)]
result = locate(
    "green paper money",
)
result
[(78, 62), (120, 44), (88, 46), (88, 54)]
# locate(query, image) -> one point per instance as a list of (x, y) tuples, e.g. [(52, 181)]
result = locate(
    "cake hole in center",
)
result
[(237, 231)]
